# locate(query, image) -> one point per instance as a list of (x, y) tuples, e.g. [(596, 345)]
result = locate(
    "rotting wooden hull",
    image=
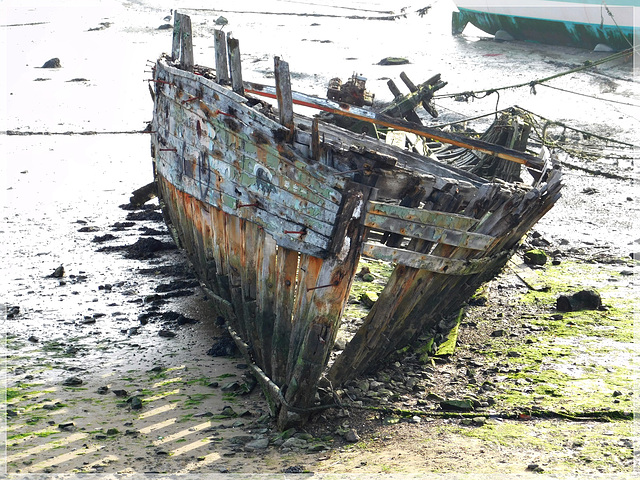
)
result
[(274, 216)]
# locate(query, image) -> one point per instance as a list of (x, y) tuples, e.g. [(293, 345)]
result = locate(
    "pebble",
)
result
[(259, 444), (351, 436), (72, 381)]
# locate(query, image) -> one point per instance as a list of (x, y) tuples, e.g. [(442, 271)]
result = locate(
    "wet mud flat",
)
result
[(107, 367)]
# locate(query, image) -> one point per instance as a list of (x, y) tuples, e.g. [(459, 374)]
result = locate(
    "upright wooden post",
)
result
[(283, 92), (182, 44), (315, 139), (186, 42), (235, 64), (222, 66), (175, 45)]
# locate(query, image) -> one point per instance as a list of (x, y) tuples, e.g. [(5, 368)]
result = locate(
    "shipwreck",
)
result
[(274, 211)]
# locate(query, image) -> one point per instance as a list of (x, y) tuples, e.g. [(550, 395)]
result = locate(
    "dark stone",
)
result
[(224, 347), (136, 403), (393, 61), (535, 257), (103, 390), (88, 229), (72, 382), (33, 339), (457, 405), (58, 272), (103, 238), (227, 411), (166, 333), (294, 469), (67, 427), (13, 311), (52, 63), (120, 393), (582, 300)]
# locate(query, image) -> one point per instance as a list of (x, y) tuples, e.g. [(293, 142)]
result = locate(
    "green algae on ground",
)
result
[(572, 362), (601, 447)]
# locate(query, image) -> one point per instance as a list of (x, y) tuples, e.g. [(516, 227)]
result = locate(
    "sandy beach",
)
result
[(120, 324)]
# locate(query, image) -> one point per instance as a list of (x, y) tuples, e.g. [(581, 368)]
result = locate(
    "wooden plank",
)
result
[(323, 290), (283, 93), (286, 271), (186, 44), (429, 232), (235, 65), (177, 27), (399, 124), (431, 263), (280, 171), (316, 152), (428, 217), (267, 280), (222, 66)]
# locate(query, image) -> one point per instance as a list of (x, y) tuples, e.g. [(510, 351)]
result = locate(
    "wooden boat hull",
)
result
[(275, 212), (583, 24)]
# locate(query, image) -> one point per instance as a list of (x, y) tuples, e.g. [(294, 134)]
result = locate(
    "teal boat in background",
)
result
[(590, 24)]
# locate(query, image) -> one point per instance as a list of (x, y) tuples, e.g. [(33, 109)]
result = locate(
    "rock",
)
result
[(13, 311), (294, 469), (52, 63), (136, 403), (582, 300), (119, 393), (67, 427), (231, 387), (416, 419), (498, 333), (368, 277), (479, 421), (57, 273), (435, 397), (227, 411), (166, 333), (33, 339), (113, 431), (534, 467), (393, 61), (72, 382), (259, 444), (617, 393), (513, 354), (294, 442), (351, 436), (457, 405), (368, 299), (535, 257), (102, 390)]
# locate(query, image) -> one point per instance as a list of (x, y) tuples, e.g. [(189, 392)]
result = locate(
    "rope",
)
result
[(532, 84), (591, 96)]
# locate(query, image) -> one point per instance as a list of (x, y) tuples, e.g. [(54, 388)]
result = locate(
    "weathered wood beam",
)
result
[(222, 65), (399, 124), (283, 94), (235, 64)]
